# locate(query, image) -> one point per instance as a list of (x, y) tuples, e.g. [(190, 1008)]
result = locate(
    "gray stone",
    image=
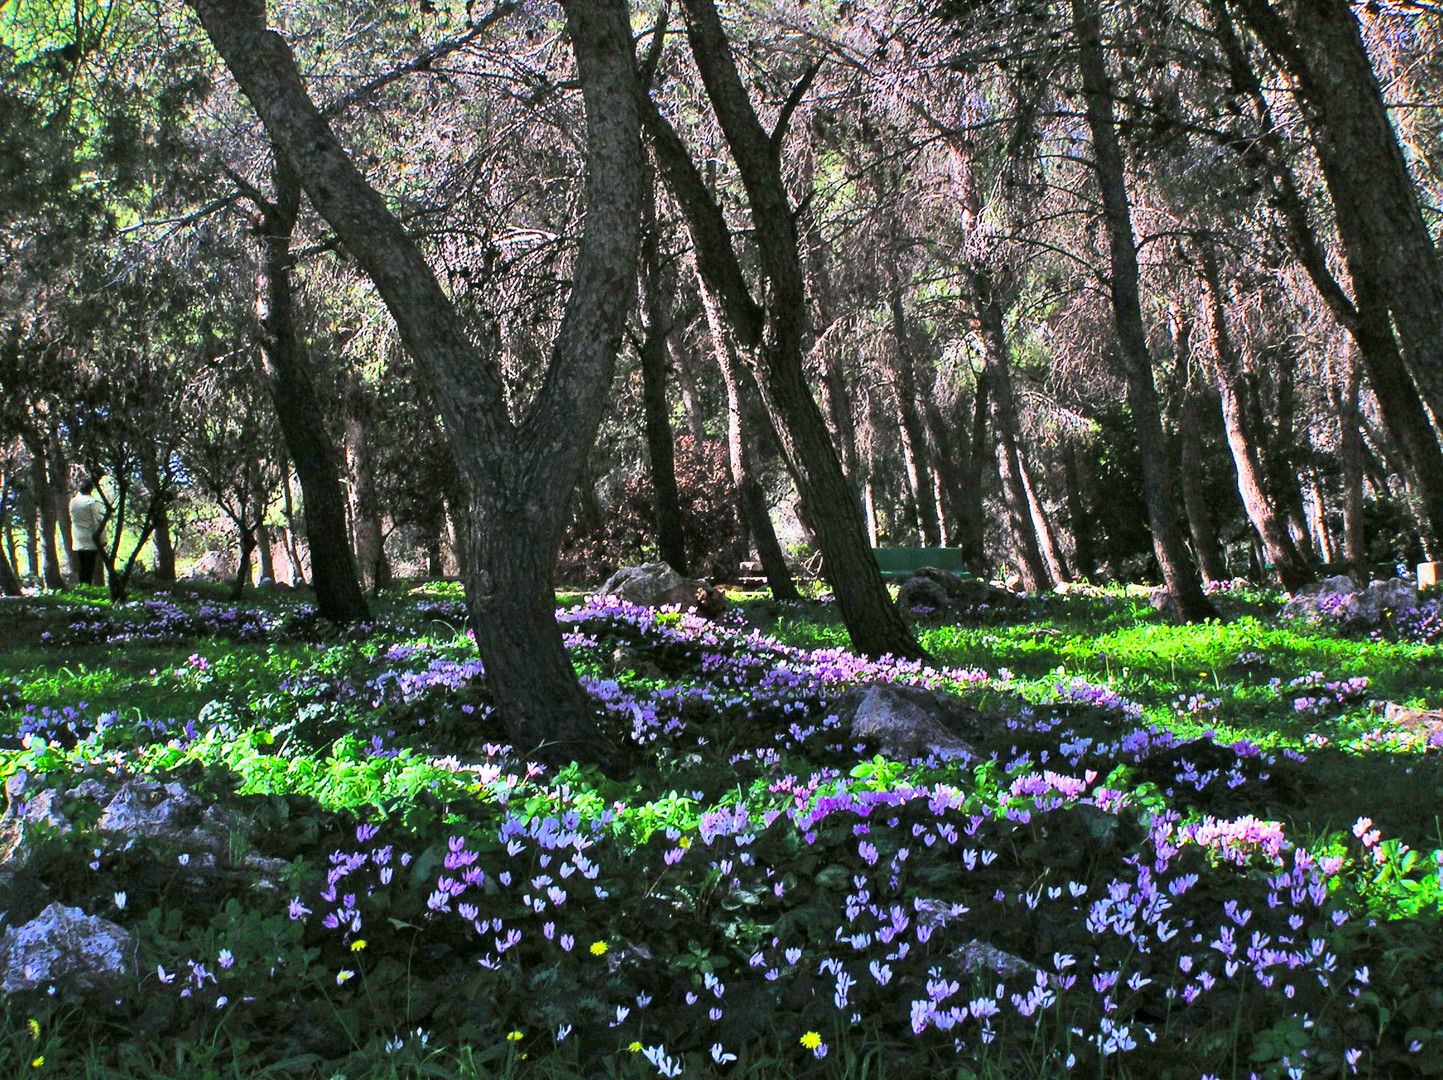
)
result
[(212, 566), (145, 808), (922, 593), (1383, 597), (978, 956), (657, 585), (1304, 604), (64, 943), (906, 722)]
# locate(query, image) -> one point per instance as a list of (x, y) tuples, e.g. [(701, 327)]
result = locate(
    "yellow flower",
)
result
[(342, 976), (514, 1036), (684, 842), (811, 1040), (38, 1062), (358, 945), (34, 1026), (635, 1047), (598, 948)]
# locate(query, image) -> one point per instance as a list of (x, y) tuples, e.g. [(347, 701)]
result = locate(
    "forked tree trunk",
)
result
[(1181, 580), (774, 335), (519, 475), (302, 419)]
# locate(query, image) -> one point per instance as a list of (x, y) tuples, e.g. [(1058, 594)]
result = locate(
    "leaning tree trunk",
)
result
[(1042, 524), (1242, 438), (1182, 583), (519, 475), (656, 305), (299, 411), (1025, 549), (1375, 200), (752, 509), (775, 334)]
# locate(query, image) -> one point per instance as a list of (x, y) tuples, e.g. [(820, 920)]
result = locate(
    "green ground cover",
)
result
[(1194, 851)]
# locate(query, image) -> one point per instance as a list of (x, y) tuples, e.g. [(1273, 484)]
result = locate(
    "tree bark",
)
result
[(1199, 514), (690, 396), (45, 502), (299, 412), (1042, 524), (914, 433), (1380, 219), (58, 470), (656, 303), (756, 519), (1084, 556), (1262, 511), (774, 334), (365, 505), (519, 474), (1025, 551), (1351, 456), (1122, 279), (9, 579)]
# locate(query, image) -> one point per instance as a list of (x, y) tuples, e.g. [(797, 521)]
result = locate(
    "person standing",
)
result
[(87, 518)]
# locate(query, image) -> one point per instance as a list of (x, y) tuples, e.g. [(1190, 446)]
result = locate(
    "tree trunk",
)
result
[(262, 530), (1366, 318), (1194, 497), (1026, 551), (9, 579), (1374, 197), (58, 470), (1083, 554), (690, 397), (1177, 570), (1042, 525), (164, 569), (519, 475), (32, 542), (913, 432), (45, 501), (1351, 458), (1278, 543), (951, 470), (293, 552), (775, 335), (756, 519), (365, 506), (301, 416), (656, 303)]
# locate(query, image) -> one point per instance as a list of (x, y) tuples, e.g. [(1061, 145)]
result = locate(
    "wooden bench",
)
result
[(901, 563)]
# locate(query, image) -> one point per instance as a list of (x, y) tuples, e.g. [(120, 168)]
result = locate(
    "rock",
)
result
[(922, 596), (978, 956), (1305, 602), (657, 585), (932, 588), (906, 722), (64, 944), (212, 566), (145, 808), (1427, 723), (1382, 598), (28, 807)]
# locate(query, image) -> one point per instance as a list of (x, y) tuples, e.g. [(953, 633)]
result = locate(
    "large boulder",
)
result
[(1342, 597), (64, 944), (657, 585), (906, 722), (212, 566), (148, 808), (931, 589)]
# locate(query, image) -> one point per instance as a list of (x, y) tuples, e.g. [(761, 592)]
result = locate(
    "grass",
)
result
[(749, 845)]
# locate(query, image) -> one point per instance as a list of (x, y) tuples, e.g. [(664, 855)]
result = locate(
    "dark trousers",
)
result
[(87, 565)]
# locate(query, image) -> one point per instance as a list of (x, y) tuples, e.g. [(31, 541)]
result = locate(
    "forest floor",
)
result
[(1178, 851)]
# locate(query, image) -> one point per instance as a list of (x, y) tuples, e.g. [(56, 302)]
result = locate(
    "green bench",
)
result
[(900, 563)]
